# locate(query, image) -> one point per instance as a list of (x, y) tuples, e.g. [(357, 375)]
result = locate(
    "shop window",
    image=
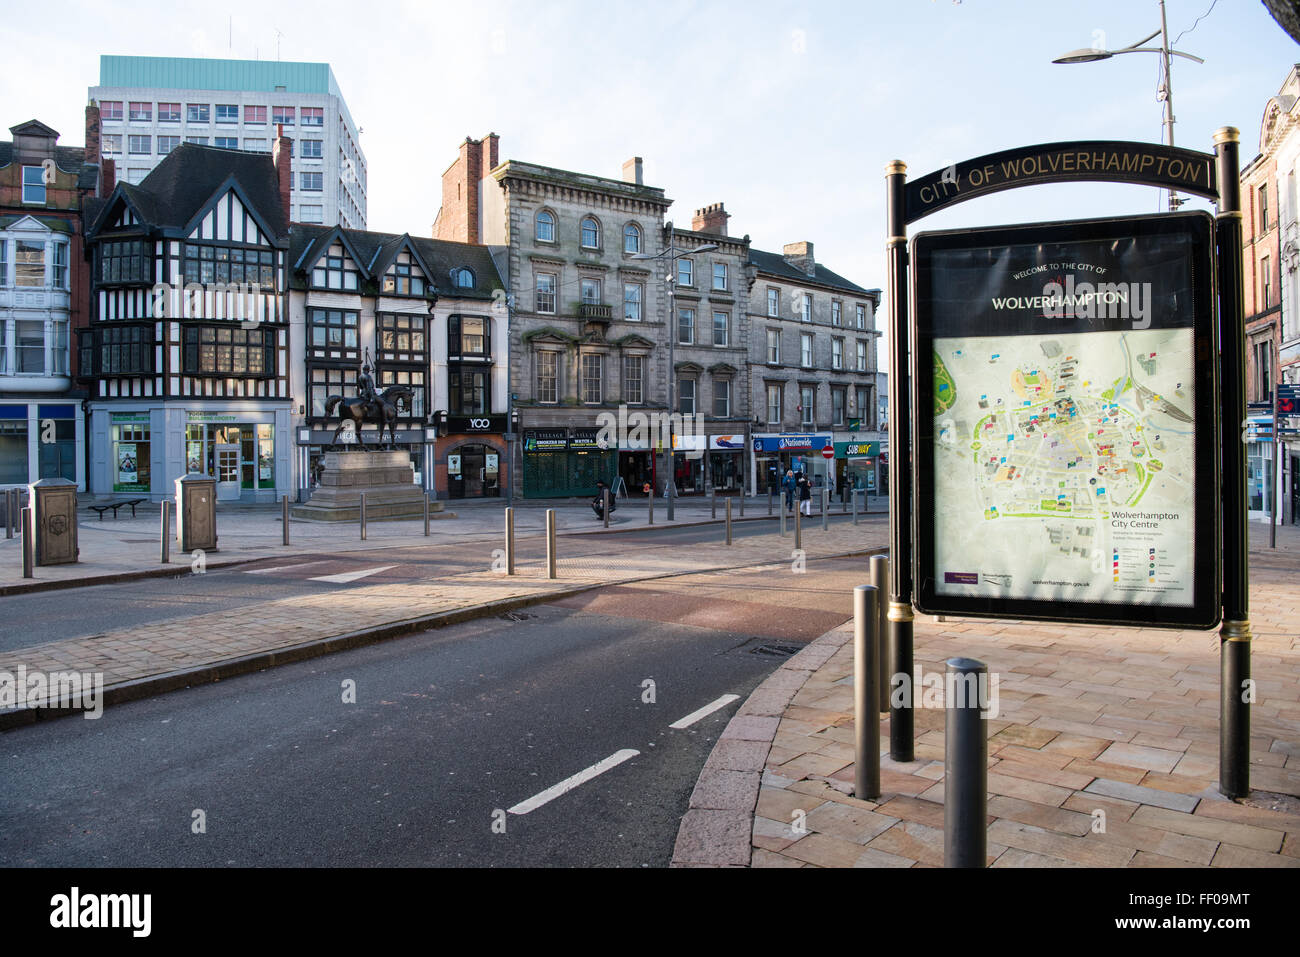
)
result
[(131, 454)]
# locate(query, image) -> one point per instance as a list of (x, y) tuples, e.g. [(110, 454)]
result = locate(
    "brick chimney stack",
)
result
[(281, 158), (711, 219), (93, 150), (633, 171), (458, 219), (800, 256)]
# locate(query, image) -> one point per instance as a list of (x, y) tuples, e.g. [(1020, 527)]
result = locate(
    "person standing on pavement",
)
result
[(788, 483), (805, 495)]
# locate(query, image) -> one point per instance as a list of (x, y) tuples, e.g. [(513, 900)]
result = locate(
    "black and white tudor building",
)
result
[(186, 359)]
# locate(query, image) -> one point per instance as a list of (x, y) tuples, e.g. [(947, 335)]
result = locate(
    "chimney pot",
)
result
[(711, 219)]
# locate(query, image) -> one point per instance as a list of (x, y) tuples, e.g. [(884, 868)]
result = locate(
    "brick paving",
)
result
[(1104, 752)]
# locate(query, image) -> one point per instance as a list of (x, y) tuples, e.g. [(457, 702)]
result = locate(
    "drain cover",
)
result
[(516, 616), (775, 650)]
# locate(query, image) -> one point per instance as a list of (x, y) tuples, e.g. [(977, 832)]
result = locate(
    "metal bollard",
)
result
[(866, 501), (826, 514), (426, 514), (866, 665), (769, 503), (798, 527), (510, 540), (550, 543), (165, 555), (670, 495), (29, 557), (363, 516), (783, 521), (879, 565), (854, 496), (284, 516), (650, 505), (604, 506), (728, 521), (9, 512), (742, 503), (715, 503), (966, 765)]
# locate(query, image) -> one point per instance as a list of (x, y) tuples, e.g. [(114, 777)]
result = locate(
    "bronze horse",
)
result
[(386, 408)]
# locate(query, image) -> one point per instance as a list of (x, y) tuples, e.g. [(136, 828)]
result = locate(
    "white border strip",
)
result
[(708, 709), (568, 784)]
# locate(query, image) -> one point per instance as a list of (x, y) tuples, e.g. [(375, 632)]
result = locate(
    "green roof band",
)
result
[(193, 73)]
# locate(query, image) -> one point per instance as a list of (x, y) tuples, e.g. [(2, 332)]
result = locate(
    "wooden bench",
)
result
[(101, 509)]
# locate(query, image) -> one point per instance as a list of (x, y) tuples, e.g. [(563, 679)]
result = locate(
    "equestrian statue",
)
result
[(381, 408)]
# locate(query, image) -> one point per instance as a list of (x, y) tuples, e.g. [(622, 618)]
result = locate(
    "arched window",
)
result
[(631, 238), (590, 233), (462, 278), (546, 226)]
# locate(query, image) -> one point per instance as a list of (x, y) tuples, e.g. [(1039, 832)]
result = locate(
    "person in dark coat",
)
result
[(805, 494), (598, 503)]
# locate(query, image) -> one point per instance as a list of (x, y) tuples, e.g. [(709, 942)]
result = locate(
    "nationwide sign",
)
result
[(1109, 160), (1065, 423)]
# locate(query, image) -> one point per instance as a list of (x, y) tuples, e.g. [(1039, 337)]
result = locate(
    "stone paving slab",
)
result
[(1104, 754)]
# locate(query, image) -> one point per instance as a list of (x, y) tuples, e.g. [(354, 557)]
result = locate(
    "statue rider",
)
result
[(366, 385)]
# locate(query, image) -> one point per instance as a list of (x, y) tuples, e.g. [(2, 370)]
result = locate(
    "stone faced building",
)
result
[(813, 356), (586, 314)]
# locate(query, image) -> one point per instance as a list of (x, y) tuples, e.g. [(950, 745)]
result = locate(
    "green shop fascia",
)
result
[(566, 462)]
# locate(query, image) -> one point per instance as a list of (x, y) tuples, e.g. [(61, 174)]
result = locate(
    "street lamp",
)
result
[(1165, 93), (672, 254)]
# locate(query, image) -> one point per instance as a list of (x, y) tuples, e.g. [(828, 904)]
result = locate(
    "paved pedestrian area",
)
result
[(178, 646), (1104, 751)]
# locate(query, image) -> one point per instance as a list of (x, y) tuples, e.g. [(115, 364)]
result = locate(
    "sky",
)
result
[(787, 112)]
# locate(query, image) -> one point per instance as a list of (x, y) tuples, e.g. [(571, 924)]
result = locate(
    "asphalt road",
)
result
[(451, 731), (38, 617)]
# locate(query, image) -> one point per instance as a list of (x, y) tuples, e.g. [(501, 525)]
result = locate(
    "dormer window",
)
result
[(34, 185), (334, 270), (462, 278), (404, 277)]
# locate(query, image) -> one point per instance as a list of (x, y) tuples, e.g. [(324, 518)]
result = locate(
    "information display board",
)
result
[(1066, 431)]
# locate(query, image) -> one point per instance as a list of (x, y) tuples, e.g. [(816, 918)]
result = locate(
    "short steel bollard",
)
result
[(426, 514), (770, 496), (550, 543), (510, 540), (798, 528), (866, 719), (783, 523), (879, 565), (29, 543), (966, 765), (854, 496), (826, 514), (165, 555), (363, 516), (670, 494), (715, 503), (728, 521), (11, 496), (284, 516), (742, 503), (604, 506), (650, 507)]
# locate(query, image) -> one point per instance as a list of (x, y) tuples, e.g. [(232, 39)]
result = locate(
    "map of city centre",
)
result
[(1064, 466)]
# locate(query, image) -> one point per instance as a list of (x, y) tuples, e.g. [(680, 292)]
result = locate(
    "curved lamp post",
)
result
[(1165, 93)]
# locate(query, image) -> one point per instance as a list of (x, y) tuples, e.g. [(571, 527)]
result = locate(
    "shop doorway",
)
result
[(228, 482), (474, 471)]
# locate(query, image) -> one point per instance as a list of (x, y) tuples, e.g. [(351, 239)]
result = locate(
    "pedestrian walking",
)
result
[(805, 495)]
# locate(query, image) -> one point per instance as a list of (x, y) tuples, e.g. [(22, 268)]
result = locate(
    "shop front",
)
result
[(472, 456), (636, 466), (143, 449), (726, 462), (41, 440), (776, 453), (566, 462), (855, 465)]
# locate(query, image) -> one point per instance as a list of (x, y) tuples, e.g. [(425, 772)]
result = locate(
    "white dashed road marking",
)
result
[(345, 577), (568, 784), (708, 709), (282, 568)]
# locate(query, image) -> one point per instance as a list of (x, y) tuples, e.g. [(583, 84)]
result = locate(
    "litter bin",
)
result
[(196, 512), (54, 503)]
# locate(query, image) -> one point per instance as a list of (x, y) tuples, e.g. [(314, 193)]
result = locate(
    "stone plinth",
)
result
[(384, 477)]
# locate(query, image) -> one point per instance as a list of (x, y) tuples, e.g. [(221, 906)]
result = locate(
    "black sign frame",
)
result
[(1205, 609)]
